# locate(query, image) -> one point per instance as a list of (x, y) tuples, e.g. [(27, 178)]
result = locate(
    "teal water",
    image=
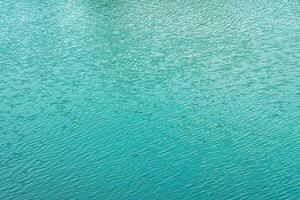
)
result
[(131, 99)]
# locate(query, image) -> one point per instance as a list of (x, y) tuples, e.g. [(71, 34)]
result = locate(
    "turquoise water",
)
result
[(149, 99)]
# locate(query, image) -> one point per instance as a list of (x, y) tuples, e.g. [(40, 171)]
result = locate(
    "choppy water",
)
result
[(149, 99)]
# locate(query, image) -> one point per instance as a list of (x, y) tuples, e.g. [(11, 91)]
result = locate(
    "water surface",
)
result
[(149, 99)]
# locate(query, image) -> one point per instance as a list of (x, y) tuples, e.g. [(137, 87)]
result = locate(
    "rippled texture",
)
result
[(149, 99)]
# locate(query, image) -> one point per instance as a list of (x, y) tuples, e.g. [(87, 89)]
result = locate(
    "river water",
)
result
[(149, 99)]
